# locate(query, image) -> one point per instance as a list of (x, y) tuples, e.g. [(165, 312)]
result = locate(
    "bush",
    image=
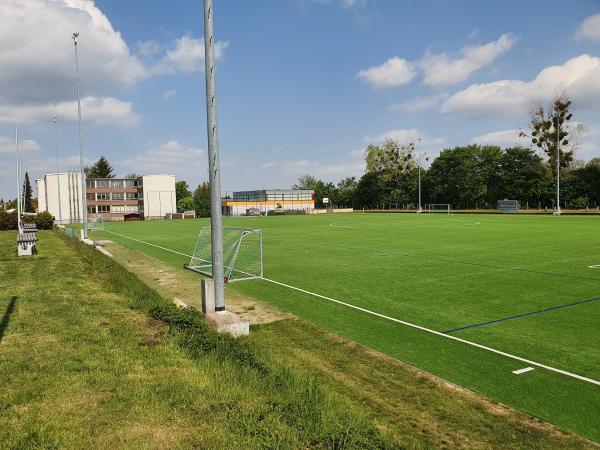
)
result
[(44, 221), (8, 221), (579, 203)]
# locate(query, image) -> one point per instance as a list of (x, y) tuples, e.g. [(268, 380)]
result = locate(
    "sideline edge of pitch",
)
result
[(392, 319)]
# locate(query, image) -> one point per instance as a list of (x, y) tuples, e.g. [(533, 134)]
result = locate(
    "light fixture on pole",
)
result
[(214, 175), (57, 170), (82, 172)]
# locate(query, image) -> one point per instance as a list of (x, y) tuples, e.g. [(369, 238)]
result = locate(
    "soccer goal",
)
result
[(242, 253), (439, 208), (97, 224), (508, 206)]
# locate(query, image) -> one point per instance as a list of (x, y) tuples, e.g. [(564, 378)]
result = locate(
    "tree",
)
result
[(201, 200), (345, 191), (554, 126), (182, 190), (27, 195), (185, 204), (132, 176), (525, 177), (100, 169), (390, 159), (321, 188)]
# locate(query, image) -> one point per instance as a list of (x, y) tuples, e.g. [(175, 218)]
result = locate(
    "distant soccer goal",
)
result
[(508, 206), (97, 224), (242, 253), (439, 208)]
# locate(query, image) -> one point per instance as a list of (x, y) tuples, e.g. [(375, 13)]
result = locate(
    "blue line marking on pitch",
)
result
[(520, 315)]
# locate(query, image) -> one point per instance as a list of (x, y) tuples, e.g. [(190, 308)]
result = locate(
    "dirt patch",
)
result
[(185, 285)]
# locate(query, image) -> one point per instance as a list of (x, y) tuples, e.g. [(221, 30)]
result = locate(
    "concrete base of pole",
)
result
[(227, 322), (222, 321)]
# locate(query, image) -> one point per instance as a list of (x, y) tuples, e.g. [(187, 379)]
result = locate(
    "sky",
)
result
[(303, 86)]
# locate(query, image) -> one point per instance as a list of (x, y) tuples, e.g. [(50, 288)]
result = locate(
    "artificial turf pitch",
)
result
[(527, 275)]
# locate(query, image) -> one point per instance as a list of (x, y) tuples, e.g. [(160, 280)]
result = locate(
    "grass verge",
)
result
[(93, 357)]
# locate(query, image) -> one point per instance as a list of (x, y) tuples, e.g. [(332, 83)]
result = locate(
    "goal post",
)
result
[(439, 208), (242, 253)]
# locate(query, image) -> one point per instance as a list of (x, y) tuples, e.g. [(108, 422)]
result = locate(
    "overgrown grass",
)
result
[(93, 357)]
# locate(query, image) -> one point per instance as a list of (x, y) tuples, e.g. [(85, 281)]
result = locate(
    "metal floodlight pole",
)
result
[(213, 158), (83, 195), (419, 210), (57, 170), (18, 181), (557, 125)]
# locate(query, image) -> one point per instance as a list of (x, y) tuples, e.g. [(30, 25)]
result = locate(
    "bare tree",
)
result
[(552, 127)]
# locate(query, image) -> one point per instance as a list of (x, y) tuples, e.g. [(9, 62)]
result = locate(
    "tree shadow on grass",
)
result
[(6, 317)]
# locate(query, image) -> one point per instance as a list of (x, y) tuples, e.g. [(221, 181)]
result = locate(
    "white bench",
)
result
[(26, 244)]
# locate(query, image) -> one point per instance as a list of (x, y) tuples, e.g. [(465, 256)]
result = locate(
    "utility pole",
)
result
[(83, 194), (57, 171), (213, 158)]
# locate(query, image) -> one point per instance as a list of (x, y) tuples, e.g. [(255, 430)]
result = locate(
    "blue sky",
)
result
[(303, 85)]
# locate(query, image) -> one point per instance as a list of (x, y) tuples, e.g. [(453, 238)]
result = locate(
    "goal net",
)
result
[(439, 208), (97, 224), (242, 253), (508, 206)]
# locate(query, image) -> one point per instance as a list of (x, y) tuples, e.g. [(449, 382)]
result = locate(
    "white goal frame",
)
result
[(97, 224), (446, 208), (242, 254)]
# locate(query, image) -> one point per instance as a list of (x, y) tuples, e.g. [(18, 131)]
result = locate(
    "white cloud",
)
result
[(419, 103), (392, 73), (36, 51), (441, 70), (438, 69), (590, 29), (169, 94), (171, 158), (37, 60), (98, 111), (579, 76), (504, 138), (187, 56), (7, 146)]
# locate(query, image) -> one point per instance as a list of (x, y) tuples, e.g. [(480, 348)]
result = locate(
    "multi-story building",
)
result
[(114, 199), (263, 202)]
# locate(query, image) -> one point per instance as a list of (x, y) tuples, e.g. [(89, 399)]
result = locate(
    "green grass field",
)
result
[(439, 272)]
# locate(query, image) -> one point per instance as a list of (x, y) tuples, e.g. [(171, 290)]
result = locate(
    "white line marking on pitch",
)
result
[(408, 324), (597, 266), (525, 370)]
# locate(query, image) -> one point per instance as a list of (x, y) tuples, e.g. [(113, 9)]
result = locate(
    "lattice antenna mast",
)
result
[(213, 158)]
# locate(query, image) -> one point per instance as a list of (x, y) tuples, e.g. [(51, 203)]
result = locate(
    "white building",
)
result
[(114, 199)]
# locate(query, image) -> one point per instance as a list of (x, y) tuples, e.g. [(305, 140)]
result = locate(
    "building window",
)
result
[(132, 196), (117, 209), (91, 210), (102, 183), (90, 183), (91, 196), (103, 208), (102, 196), (128, 183), (131, 208), (118, 196)]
